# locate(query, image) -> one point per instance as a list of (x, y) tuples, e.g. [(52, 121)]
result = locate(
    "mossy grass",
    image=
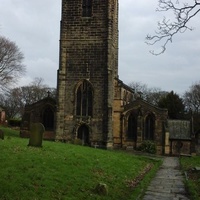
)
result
[(188, 165), (67, 171)]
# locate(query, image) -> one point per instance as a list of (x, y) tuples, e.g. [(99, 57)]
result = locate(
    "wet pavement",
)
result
[(168, 184)]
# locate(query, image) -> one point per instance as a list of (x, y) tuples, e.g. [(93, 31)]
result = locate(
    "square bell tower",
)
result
[(87, 69)]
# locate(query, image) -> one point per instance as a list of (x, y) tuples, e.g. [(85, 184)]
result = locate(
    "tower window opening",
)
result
[(87, 8)]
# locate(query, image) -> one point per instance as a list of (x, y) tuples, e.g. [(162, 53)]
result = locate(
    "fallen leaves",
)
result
[(133, 183)]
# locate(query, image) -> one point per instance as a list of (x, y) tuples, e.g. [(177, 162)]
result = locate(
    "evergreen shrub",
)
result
[(147, 146), (77, 141)]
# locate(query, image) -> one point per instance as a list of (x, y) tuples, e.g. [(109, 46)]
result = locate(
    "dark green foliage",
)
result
[(174, 104), (147, 146), (36, 135), (77, 141)]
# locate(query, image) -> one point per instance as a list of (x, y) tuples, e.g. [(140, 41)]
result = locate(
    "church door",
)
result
[(48, 119), (83, 135)]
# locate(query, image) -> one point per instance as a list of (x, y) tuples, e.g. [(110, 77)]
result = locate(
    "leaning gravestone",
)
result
[(36, 134)]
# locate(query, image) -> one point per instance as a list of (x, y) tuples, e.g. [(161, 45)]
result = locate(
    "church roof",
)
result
[(46, 100), (123, 85), (139, 102)]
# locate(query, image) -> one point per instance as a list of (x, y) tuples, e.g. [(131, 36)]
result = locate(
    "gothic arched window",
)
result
[(87, 8), (132, 127), (149, 127), (84, 98)]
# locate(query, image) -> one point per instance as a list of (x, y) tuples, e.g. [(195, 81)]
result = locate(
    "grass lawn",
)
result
[(193, 183), (71, 172)]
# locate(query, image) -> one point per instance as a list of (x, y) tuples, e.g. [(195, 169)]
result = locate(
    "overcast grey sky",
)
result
[(35, 25)]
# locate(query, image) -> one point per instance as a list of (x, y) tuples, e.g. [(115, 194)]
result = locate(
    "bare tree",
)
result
[(183, 13), (36, 91), (155, 95), (12, 103), (11, 67), (139, 88), (192, 98), (151, 95), (14, 100)]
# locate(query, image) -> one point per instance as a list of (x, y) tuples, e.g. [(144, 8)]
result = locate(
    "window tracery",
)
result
[(84, 99)]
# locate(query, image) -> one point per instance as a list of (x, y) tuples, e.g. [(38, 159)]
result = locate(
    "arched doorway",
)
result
[(149, 127), (83, 135), (48, 118)]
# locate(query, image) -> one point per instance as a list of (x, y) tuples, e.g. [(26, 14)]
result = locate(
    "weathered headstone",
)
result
[(1, 134), (36, 134)]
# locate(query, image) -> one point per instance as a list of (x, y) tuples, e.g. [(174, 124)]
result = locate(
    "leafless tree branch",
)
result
[(166, 28)]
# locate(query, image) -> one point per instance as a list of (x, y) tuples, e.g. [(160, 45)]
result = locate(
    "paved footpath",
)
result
[(168, 182)]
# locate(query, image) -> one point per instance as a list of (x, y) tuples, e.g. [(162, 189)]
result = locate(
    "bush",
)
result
[(147, 146), (77, 141)]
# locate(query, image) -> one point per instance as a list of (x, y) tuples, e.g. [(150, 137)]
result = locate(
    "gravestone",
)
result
[(36, 134)]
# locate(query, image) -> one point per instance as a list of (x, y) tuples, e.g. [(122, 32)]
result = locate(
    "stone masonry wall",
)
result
[(88, 50)]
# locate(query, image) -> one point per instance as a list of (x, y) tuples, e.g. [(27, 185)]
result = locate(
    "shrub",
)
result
[(147, 146), (77, 141)]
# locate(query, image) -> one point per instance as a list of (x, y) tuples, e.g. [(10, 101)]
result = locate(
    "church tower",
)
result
[(87, 70)]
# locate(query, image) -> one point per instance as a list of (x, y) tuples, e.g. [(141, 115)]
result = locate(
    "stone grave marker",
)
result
[(36, 134)]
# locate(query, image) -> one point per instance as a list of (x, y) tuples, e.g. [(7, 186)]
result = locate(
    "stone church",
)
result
[(93, 104)]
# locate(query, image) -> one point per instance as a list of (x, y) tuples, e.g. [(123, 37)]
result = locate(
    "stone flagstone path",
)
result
[(168, 182)]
